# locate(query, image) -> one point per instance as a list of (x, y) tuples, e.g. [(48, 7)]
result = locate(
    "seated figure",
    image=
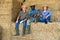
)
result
[(45, 15), (21, 17), (32, 13)]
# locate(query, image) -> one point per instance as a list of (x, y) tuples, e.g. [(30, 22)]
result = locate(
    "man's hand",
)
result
[(23, 20), (46, 17), (40, 15), (18, 18), (17, 21)]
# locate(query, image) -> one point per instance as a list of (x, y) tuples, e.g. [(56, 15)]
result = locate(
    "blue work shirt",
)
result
[(44, 14), (33, 11)]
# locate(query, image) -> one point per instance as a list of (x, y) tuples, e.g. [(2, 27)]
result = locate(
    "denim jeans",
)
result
[(24, 27), (43, 20), (17, 26)]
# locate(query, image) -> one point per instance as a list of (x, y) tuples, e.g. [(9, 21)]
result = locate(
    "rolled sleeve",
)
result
[(50, 13)]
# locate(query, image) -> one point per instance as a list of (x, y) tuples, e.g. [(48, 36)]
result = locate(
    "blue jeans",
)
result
[(24, 27), (43, 20), (17, 26)]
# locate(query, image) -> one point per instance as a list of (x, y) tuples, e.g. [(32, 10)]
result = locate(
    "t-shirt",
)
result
[(32, 11), (23, 14)]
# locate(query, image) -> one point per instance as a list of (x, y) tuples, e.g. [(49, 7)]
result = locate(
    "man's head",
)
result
[(45, 7), (24, 7), (32, 7)]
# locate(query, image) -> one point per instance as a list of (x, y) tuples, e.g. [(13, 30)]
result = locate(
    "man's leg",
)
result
[(33, 19), (24, 28), (17, 27), (28, 26), (23, 31), (49, 19), (41, 20), (45, 20)]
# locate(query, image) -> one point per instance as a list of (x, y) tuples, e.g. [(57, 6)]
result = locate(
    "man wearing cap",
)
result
[(22, 16), (45, 15), (32, 13)]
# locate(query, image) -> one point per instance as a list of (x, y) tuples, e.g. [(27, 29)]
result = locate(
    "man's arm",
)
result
[(26, 18), (49, 14), (18, 17), (30, 13), (40, 13)]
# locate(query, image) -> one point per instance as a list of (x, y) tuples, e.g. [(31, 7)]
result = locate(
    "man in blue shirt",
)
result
[(32, 17), (45, 15), (32, 13)]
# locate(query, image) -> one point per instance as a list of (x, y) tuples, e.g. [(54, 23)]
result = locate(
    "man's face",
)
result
[(24, 8), (32, 7), (45, 8)]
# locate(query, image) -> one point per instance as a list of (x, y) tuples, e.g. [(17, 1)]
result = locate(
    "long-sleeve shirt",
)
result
[(44, 14)]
